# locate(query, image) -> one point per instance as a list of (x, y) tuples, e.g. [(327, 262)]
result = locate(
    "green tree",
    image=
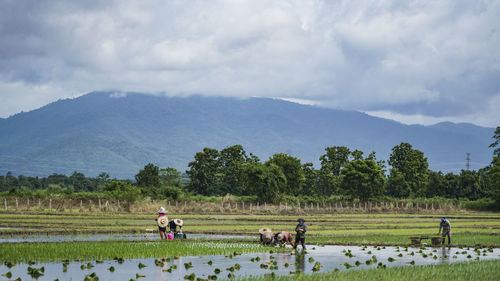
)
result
[(203, 172), (332, 162), (495, 181), (149, 176), (170, 177), (363, 179), (231, 169), (495, 144), (292, 169), (469, 185), (436, 185), (311, 176), (412, 164), (267, 181), (122, 191), (397, 186)]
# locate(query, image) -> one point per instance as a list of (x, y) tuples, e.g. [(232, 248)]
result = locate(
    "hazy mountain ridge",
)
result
[(98, 132)]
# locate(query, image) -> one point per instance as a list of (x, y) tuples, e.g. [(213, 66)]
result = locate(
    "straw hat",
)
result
[(162, 221), (280, 236), (162, 211), (264, 229), (178, 222)]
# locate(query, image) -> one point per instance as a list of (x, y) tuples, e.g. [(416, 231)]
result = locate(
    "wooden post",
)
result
[(250, 206), (81, 205), (100, 204), (17, 204), (185, 205), (432, 205), (50, 204), (286, 206), (317, 205), (341, 205), (243, 205), (39, 203), (335, 205), (299, 205), (5, 203), (119, 204), (280, 206), (265, 206), (28, 203)]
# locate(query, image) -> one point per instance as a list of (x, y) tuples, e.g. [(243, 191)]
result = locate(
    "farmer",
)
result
[(446, 226), (266, 236), (162, 221), (301, 229), (173, 224), (283, 237)]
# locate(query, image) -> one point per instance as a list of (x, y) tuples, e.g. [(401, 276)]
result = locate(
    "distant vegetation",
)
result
[(344, 173)]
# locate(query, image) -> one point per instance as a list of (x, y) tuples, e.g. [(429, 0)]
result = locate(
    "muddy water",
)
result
[(330, 257), (109, 237)]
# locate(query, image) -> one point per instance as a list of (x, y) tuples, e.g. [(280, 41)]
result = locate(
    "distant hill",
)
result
[(117, 134)]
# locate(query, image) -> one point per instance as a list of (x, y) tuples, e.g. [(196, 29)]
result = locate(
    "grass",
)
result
[(476, 270), (43, 252), (468, 228)]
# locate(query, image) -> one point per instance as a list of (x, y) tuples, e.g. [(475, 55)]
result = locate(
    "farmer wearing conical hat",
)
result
[(283, 237), (173, 224), (266, 236), (300, 237), (162, 221)]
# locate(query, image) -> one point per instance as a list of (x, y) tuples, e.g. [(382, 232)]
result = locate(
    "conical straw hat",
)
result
[(162, 221), (264, 229), (178, 222)]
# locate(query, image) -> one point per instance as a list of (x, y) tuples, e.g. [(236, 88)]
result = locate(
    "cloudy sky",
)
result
[(413, 61)]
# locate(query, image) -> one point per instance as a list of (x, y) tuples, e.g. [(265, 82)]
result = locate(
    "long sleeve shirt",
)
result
[(301, 230), (445, 225)]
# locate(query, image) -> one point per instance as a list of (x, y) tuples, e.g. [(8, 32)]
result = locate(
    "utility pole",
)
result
[(467, 164)]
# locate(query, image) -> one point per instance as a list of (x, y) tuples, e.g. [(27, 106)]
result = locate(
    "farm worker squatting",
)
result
[(266, 236), (446, 226), (301, 229)]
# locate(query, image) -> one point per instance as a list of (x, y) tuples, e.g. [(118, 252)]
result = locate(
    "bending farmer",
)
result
[(283, 237), (300, 237), (446, 226)]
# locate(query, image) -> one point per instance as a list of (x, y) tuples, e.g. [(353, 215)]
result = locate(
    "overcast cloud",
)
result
[(415, 61)]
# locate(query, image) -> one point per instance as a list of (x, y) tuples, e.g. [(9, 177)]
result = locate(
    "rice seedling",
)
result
[(311, 259), (217, 271), (390, 259), (8, 274), (111, 269), (91, 277), (317, 266), (20, 252), (188, 265), (141, 265), (137, 276), (191, 277)]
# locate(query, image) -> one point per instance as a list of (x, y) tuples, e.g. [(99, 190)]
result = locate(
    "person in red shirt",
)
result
[(283, 237)]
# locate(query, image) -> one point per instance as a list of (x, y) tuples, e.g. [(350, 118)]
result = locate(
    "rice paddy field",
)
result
[(126, 246)]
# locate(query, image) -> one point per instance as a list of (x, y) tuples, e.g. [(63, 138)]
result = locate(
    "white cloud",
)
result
[(437, 59)]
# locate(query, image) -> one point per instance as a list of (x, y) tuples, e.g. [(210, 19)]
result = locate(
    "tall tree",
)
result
[(266, 181), (412, 164), (292, 169), (495, 181), (149, 176), (203, 172), (495, 144), (331, 163), (311, 176), (231, 168), (363, 179), (170, 177)]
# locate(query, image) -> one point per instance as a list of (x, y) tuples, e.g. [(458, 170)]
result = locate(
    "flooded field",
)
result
[(316, 259)]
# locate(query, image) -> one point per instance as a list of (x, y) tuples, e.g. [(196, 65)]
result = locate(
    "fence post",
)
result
[(119, 204), (299, 205), (39, 203), (28, 203), (169, 204), (317, 205), (5, 203), (243, 205), (81, 205), (50, 204), (250, 206), (286, 206), (99, 204), (265, 206), (17, 204), (185, 205)]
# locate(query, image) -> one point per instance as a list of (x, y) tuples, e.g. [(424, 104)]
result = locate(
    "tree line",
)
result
[(343, 172)]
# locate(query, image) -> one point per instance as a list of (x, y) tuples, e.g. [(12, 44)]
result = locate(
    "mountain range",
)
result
[(119, 133)]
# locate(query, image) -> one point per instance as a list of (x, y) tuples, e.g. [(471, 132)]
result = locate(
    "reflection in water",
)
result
[(445, 254), (300, 261)]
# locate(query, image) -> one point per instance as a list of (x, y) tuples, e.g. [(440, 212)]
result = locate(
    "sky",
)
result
[(412, 61)]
